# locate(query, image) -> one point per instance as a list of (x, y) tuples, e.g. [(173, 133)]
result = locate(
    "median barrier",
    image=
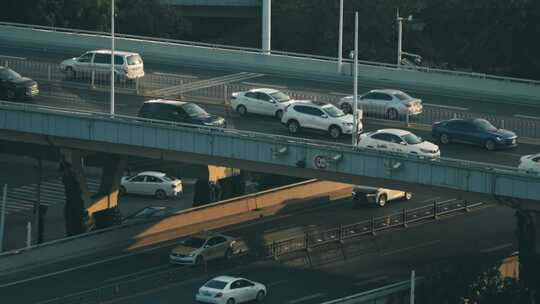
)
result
[(131, 236)]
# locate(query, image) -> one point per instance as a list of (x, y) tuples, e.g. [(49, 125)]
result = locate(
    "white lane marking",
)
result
[(411, 247), (306, 298), (265, 85), (527, 116), (491, 249), (12, 57), (83, 266), (175, 75), (338, 94), (276, 283), (445, 107), (136, 273)]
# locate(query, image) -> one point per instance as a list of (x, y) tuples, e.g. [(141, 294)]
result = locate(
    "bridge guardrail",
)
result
[(311, 240), (276, 52)]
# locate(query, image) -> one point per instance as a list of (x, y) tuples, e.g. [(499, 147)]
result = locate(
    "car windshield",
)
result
[(134, 59), (333, 111), (483, 124), (402, 96), (194, 110), (412, 139), (193, 242), (215, 284), (9, 74), (280, 96)]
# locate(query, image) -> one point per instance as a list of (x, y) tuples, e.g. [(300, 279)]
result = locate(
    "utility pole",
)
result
[(37, 202), (340, 43), (3, 218), (112, 57), (355, 92), (266, 25)]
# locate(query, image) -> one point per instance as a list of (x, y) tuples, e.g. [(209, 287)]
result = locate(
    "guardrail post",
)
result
[(372, 225), (274, 250), (6, 64), (225, 92), (93, 85), (405, 217), (181, 88), (407, 124), (306, 241), (435, 216), (502, 123), (467, 209), (49, 72), (341, 233), (137, 86)]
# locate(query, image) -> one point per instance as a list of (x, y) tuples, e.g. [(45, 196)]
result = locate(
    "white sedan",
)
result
[(530, 163), (390, 103), (230, 290), (151, 183), (398, 141), (264, 101)]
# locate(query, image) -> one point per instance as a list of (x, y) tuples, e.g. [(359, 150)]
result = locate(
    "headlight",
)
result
[(498, 138), (191, 254)]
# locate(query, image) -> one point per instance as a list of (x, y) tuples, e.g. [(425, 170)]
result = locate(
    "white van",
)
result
[(127, 65), (378, 196)]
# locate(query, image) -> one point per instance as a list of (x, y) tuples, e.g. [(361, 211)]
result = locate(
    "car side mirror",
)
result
[(324, 116)]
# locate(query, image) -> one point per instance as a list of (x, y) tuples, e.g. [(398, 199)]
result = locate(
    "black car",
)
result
[(179, 111), (476, 131), (15, 87)]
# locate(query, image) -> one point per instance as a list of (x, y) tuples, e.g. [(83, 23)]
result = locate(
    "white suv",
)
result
[(127, 65), (318, 116)]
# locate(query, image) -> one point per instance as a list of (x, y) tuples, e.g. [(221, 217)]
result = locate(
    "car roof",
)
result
[(264, 90), (397, 132), (152, 173), (167, 101), (226, 278), (121, 53), (387, 91)]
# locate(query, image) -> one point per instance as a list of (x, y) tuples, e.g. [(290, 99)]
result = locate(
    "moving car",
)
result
[(205, 246), (15, 87), (264, 101), (391, 103), (148, 212), (530, 163), (230, 290), (127, 65), (318, 116), (180, 111), (476, 131), (399, 141), (151, 183), (379, 196)]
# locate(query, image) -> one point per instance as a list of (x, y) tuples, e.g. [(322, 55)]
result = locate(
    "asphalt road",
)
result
[(369, 262)]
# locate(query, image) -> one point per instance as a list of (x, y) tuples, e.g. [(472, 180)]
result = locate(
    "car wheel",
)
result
[(346, 108), (70, 73), (231, 301), (444, 139), (489, 145), (241, 110), (228, 254), (381, 201), (392, 114), (199, 260), (260, 296), (293, 126), (161, 194), (279, 114), (407, 196), (122, 190), (335, 132)]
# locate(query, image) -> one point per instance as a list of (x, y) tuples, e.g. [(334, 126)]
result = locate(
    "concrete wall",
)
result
[(128, 237), (254, 60)]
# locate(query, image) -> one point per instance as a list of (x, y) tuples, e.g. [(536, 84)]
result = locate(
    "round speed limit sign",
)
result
[(321, 162)]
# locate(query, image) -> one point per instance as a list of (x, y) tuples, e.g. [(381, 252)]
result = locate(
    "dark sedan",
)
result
[(15, 87), (475, 131), (180, 111)]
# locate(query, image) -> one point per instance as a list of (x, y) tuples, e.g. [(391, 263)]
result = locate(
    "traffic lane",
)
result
[(487, 235), (472, 103), (281, 226)]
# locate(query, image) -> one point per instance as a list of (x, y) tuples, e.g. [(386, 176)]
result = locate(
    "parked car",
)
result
[(530, 163), (15, 87), (127, 65), (264, 101), (379, 196), (151, 183), (318, 116), (148, 212), (391, 103), (230, 290), (475, 131), (399, 141), (180, 111), (203, 247)]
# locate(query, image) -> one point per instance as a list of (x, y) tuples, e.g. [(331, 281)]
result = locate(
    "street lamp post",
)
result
[(355, 92), (112, 57), (400, 33), (340, 43)]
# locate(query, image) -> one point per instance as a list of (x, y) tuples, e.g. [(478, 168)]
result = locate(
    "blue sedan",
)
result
[(475, 131)]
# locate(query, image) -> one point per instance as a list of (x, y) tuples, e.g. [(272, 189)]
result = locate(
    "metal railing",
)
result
[(275, 52), (313, 239)]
